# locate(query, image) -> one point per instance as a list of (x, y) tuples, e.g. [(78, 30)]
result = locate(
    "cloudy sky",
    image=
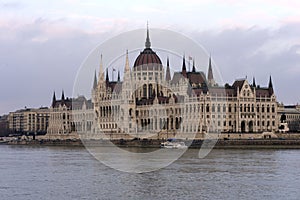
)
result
[(43, 43)]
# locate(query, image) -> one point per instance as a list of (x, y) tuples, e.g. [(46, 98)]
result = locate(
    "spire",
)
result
[(95, 81), (194, 68), (53, 99), (167, 61), (119, 76), (147, 43), (270, 82), (253, 82), (101, 72), (62, 95), (183, 72), (168, 74), (210, 76), (271, 91), (127, 68), (107, 78)]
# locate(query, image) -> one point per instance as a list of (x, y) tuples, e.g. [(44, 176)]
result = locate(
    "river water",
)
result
[(28, 172)]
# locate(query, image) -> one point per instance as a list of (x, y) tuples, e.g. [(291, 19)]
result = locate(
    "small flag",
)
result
[(190, 58)]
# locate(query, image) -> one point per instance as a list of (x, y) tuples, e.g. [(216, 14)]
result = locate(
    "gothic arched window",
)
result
[(150, 90), (145, 90)]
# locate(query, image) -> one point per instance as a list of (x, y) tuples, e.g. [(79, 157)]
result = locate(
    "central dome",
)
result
[(148, 56)]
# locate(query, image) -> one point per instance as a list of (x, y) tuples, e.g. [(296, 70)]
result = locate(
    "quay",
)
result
[(277, 143)]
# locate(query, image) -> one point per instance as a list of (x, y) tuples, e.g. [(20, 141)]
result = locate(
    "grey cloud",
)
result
[(30, 70), (236, 53)]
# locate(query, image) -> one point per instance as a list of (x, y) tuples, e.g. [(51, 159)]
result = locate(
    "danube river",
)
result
[(29, 172)]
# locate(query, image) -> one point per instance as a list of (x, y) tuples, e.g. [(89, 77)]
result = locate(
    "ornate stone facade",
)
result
[(149, 102), (68, 116)]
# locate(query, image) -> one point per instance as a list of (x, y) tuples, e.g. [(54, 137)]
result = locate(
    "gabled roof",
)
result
[(176, 77), (116, 87), (67, 102), (196, 77), (238, 84), (193, 77), (74, 103)]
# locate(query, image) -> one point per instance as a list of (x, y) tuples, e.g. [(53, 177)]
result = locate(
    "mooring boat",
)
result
[(173, 144)]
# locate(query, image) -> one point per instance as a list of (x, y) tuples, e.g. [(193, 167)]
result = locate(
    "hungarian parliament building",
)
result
[(148, 101)]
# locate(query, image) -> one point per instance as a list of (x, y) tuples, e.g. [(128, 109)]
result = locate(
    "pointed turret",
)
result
[(210, 76), (147, 43), (95, 81), (107, 78), (270, 82), (194, 68), (183, 72), (271, 90), (53, 100), (127, 68), (168, 74), (101, 72), (253, 82), (62, 95), (119, 79)]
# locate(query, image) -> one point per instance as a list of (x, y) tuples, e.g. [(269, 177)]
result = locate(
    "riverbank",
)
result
[(152, 143)]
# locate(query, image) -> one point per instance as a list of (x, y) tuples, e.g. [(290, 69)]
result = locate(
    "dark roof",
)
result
[(196, 77), (161, 100), (290, 106), (67, 102), (75, 103), (231, 91), (219, 91), (116, 87), (79, 101), (264, 92), (238, 84), (112, 85), (176, 77), (148, 56)]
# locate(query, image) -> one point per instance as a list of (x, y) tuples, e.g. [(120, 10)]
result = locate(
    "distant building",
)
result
[(149, 100), (29, 121), (290, 114), (4, 130)]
